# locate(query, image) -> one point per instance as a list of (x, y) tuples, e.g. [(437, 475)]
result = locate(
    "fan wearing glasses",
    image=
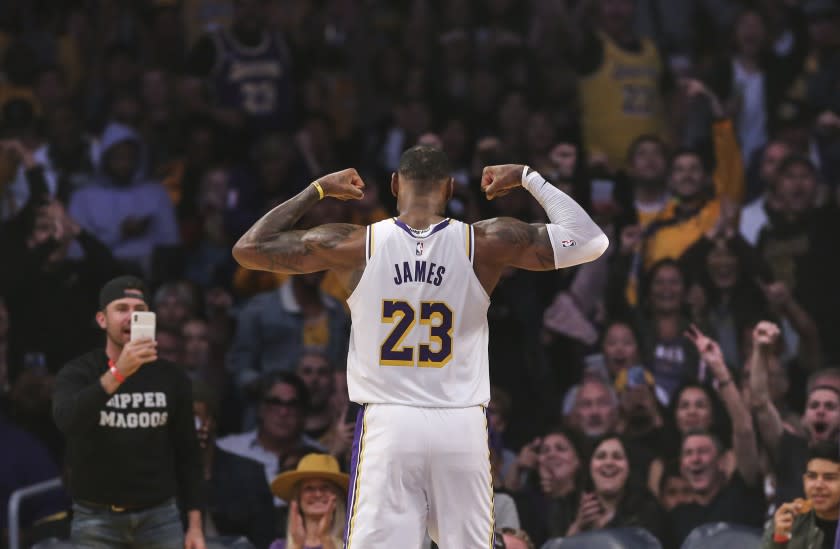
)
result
[(278, 442)]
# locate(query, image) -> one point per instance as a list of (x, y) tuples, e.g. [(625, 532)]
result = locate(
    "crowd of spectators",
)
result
[(678, 380)]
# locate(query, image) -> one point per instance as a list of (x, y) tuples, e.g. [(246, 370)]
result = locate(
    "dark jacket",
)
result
[(239, 502)]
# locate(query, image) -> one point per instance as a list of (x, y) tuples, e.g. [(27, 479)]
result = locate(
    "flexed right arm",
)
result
[(271, 245), (570, 238)]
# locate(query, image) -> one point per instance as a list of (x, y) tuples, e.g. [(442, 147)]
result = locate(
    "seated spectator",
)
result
[(130, 214), (546, 478), (713, 498), (797, 246), (278, 441), (594, 410), (754, 215), (673, 488), (613, 501), (703, 200), (730, 301), (619, 348), (239, 501), (274, 328), (695, 407), (317, 490), (716, 497), (821, 419), (812, 522), (662, 322), (641, 421)]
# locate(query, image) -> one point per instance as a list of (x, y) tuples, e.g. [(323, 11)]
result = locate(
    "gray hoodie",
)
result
[(102, 207)]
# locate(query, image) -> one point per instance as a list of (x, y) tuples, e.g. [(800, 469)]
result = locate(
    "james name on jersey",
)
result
[(430, 273)]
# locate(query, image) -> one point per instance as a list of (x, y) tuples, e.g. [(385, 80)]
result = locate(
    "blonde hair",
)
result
[(339, 517)]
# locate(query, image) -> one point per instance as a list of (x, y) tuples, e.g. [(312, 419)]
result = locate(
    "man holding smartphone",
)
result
[(131, 442)]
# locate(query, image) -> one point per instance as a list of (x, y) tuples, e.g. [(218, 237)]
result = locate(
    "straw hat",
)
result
[(311, 466)]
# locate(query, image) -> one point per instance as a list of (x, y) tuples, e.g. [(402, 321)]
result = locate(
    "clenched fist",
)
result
[(344, 185), (135, 354), (500, 180)]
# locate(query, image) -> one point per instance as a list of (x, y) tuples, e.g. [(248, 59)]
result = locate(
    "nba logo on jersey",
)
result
[(419, 249)]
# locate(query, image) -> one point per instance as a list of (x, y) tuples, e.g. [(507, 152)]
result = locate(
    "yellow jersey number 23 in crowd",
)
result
[(435, 353)]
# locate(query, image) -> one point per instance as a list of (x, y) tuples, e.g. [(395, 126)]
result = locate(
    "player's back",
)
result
[(419, 334)]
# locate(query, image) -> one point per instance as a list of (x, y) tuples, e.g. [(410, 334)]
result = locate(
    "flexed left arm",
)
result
[(271, 245)]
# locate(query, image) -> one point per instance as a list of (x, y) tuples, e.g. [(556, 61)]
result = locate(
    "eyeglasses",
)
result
[(275, 402)]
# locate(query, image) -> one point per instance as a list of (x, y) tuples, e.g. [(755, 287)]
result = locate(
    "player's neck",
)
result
[(419, 218)]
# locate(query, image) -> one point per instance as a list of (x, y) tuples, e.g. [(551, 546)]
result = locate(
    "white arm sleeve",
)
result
[(574, 236)]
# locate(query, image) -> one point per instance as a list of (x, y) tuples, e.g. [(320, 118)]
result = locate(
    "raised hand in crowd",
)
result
[(134, 355), (590, 515), (695, 88), (743, 435)]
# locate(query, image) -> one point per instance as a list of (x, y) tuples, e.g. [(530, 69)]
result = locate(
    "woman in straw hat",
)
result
[(316, 491)]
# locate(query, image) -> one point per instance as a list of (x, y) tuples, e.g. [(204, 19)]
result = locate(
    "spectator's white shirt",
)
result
[(248, 446)]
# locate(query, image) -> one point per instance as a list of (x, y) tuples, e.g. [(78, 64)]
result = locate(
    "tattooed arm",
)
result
[(272, 245), (570, 238), (507, 242)]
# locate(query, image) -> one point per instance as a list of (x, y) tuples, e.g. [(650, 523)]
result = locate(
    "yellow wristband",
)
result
[(319, 189)]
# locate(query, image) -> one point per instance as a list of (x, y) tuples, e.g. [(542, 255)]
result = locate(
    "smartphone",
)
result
[(142, 325)]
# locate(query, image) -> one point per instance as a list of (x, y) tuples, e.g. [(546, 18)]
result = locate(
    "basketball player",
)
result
[(418, 344)]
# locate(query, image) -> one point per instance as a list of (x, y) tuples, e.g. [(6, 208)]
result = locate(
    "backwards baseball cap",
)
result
[(120, 287)]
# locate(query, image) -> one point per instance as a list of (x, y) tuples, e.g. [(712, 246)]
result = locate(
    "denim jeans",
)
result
[(155, 528)]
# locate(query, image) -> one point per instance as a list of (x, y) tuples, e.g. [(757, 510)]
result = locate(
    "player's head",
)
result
[(423, 173)]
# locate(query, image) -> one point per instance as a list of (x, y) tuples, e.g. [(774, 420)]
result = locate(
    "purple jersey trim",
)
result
[(443, 224), (358, 439)]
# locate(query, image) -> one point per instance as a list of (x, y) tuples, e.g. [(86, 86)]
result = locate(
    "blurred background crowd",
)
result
[(146, 136)]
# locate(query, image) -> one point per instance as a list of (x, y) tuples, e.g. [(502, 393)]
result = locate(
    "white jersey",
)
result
[(419, 334)]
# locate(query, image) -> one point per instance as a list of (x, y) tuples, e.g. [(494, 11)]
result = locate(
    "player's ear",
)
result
[(100, 319), (450, 188), (395, 183)]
